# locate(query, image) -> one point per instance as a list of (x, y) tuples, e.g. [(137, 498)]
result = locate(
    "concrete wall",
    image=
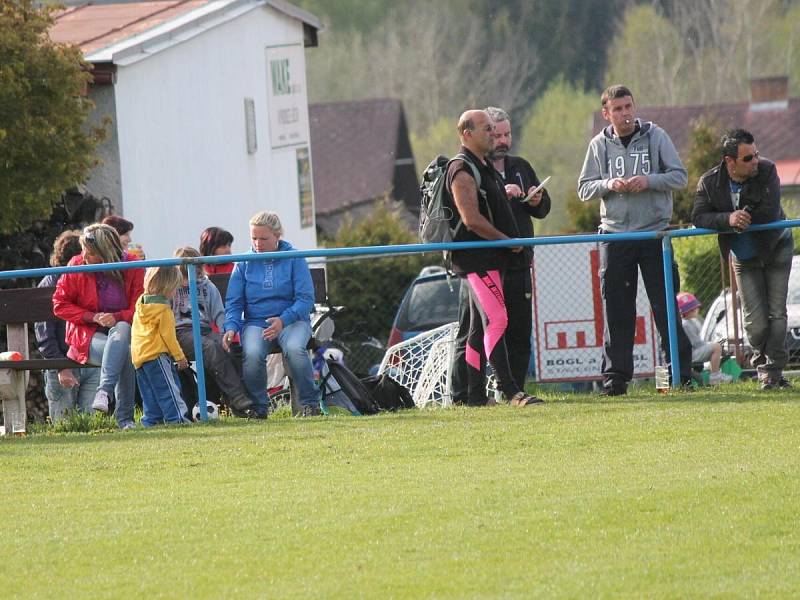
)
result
[(104, 179), (182, 138)]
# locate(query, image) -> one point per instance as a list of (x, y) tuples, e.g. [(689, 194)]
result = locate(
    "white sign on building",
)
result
[(286, 96), (568, 316)]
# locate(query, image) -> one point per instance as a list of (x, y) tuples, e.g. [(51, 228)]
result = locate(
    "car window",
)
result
[(430, 304), (794, 284)]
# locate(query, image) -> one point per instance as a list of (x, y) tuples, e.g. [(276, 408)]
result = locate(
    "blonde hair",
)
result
[(267, 219), (103, 242), (188, 251), (162, 280)]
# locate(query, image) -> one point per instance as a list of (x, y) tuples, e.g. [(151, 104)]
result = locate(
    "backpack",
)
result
[(388, 394), (436, 208), (340, 387)]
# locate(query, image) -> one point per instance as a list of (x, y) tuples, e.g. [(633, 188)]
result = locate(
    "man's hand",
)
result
[(104, 319), (618, 184), (227, 338), (637, 184), (537, 197), (182, 364), (740, 219), (67, 379), (513, 190), (274, 328)]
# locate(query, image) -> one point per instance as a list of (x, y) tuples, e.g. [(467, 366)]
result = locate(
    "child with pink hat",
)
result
[(702, 351)]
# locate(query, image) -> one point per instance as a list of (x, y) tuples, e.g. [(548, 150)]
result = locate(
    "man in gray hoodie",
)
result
[(632, 167)]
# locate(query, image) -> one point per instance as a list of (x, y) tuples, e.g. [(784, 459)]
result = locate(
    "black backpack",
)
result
[(340, 380), (388, 394)]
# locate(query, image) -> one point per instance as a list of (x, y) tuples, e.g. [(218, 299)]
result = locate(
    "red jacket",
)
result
[(75, 301)]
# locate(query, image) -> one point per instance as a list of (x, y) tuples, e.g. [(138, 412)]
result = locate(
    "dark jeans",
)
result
[(469, 384), (620, 263), (764, 286)]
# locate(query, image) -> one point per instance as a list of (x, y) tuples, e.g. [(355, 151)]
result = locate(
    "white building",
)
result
[(208, 115)]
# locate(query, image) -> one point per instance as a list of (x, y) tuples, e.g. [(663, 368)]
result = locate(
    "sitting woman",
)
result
[(215, 241), (269, 302), (123, 227), (98, 308), (66, 390)]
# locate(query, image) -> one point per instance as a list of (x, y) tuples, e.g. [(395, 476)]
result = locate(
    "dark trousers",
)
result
[(469, 384), (620, 263)]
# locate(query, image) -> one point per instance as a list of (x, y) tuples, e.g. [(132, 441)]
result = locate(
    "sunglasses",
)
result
[(89, 236), (749, 157)]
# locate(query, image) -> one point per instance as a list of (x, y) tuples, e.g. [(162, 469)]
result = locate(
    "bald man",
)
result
[(482, 213)]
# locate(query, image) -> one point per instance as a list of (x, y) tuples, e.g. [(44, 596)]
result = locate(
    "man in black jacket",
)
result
[(519, 178), (741, 190)]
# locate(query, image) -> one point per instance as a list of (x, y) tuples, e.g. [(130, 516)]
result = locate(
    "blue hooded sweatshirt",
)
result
[(259, 290)]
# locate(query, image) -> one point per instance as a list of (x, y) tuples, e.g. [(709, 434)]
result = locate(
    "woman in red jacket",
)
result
[(98, 308)]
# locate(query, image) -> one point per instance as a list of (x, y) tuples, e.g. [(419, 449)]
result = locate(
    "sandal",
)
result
[(522, 399)]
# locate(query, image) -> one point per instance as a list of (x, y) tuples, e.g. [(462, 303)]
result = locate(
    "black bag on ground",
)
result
[(388, 394), (347, 382)]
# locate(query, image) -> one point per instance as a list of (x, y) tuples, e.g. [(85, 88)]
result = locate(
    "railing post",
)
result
[(672, 324), (191, 271)]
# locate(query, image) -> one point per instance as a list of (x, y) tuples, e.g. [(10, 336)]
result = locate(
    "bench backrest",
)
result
[(29, 305)]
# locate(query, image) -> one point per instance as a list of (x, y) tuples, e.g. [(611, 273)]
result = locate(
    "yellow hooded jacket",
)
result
[(153, 330)]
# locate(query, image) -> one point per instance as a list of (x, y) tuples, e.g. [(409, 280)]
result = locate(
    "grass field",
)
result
[(685, 495)]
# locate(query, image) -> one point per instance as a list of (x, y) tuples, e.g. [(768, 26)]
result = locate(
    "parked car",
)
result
[(430, 301), (718, 324)]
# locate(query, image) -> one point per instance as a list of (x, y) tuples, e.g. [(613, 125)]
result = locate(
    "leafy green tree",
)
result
[(44, 147), (372, 288), (704, 154), (439, 138), (554, 140)]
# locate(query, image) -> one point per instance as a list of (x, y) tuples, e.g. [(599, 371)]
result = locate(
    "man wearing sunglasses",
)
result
[(743, 190)]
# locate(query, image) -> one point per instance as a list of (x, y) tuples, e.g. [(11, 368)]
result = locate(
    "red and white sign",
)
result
[(568, 319)]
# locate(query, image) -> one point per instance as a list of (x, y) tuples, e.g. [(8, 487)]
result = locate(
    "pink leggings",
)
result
[(488, 307)]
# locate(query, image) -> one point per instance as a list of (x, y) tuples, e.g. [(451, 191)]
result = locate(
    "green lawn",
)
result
[(685, 495)]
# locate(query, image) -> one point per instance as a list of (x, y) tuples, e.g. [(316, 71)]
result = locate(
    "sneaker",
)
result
[(127, 425), (784, 383), (719, 377), (769, 383), (522, 399), (310, 410), (100, 403), (254, 413)]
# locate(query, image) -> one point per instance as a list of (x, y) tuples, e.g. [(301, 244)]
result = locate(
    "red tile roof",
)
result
[(354, 147), (96, 26), (777, 131)]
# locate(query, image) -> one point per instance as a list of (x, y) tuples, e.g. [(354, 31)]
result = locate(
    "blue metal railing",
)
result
[(191, 263)]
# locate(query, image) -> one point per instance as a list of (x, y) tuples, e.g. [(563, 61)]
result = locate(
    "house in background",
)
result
[(208, 114), (771, 116), (361, 154)]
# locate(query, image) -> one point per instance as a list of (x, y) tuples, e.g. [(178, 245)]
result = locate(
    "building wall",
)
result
[(182, 138), (104, 179)]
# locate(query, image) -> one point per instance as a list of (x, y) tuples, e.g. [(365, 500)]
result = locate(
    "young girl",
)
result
[(152, 342), (702, 351)]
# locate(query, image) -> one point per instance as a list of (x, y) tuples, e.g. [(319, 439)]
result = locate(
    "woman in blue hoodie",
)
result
[(269, 302)]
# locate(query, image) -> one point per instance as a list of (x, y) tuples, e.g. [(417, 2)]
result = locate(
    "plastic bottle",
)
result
[(11, 355)]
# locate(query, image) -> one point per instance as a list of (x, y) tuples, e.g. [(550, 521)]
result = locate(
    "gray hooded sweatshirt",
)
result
[(651, 153)]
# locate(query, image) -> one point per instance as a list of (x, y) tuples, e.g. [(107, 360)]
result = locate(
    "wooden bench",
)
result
[(23, 306)]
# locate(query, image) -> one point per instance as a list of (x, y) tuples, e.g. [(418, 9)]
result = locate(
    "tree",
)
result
[(554, 139), (43, 144), (372, 293), (704, 154)]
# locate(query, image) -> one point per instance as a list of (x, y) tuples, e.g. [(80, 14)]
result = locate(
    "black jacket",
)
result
[(762, 194), (519, 171), (51, 335)]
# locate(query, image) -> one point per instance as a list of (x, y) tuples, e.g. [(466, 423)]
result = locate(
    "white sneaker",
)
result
[(719, 377), (100, 403)]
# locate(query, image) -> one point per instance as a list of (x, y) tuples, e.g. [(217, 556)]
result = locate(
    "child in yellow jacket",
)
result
[(153, 340)]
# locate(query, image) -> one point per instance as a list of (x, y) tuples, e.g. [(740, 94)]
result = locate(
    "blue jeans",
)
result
[(113, 353), (764, 285), (161, 393), (61, 400), (292, 341)]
